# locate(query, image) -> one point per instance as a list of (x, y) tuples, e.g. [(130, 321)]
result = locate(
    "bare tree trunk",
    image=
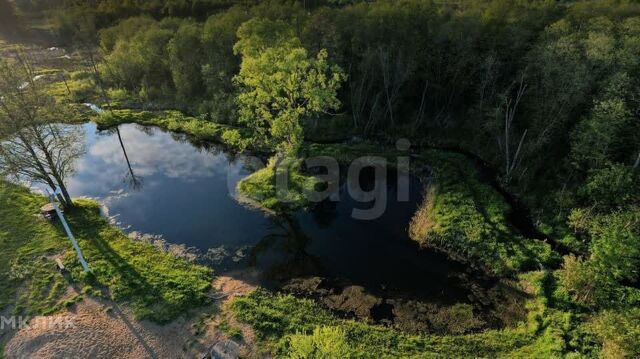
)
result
[(421, 109), (371, 122), (64, 79), (394, 74), (68, 202), (637, 163), (361, 97), (384, 63), (512, 162), (40, 167)]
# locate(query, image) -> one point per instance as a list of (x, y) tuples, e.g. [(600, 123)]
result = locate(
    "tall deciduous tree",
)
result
[(33, 148), (280, 84)]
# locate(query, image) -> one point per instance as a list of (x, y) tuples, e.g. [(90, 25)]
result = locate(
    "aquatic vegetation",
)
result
[(78, 87)]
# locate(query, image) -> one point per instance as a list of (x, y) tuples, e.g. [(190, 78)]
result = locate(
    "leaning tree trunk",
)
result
[(55, 173), (68, 202), (40, 167)]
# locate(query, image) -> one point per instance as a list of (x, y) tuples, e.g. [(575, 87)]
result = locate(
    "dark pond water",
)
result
[(165, 185)]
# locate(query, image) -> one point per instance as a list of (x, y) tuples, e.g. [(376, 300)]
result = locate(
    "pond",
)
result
[(156, 182)]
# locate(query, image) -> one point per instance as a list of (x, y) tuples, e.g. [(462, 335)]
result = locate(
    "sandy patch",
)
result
[(233, 284), (95, 328), (99, 332)]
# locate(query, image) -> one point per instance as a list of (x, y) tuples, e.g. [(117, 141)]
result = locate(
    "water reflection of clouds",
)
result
[(186, 190), (153, 153), (156, 154)]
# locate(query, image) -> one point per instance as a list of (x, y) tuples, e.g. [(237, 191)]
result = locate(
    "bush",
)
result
[(619, 332), (611, 187)]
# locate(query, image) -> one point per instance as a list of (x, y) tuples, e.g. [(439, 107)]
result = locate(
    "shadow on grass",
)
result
[(117, 272)]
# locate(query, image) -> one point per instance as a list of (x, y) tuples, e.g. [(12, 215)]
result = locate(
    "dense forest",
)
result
[(545, 94)]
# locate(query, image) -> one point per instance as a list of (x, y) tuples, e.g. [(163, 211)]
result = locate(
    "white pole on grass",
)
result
[(74, 242)]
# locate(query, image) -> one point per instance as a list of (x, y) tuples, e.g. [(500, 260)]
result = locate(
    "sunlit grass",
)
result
[(468, 219), (157, 285)]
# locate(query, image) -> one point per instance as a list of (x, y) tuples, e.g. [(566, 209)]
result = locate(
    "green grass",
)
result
[(157, 285), (260, 186), (228, 329), (291, 327), (174, 121), (81, 88), (468, 219), (346, 153), (29, 280)]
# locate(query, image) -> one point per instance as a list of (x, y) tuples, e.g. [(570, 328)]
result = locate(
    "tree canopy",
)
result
[(280, 84)]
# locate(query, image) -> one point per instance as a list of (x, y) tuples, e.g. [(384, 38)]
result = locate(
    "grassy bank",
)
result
[(157, 285), (175, 121), (291, 327), (468, 219), (260, 186), (460, 215), (28, 281)]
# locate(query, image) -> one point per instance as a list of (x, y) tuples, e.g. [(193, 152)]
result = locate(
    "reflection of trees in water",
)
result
[(281, 254), (135, 182), (212, 148), (325, 213), (150, 131)]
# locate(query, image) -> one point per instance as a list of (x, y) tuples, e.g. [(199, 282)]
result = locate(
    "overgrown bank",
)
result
[(298, 328), (174, 121), (157, 285), (469, 219)]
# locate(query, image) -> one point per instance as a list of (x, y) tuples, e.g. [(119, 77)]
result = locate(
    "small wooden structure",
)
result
[(60, 265), (48, 211)]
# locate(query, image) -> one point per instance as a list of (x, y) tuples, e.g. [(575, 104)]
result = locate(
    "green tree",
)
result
[(220, 63), (139, 63), (32, 148), (612, 187), (185, 61), (614, 246), (280, 84), (604, 136)]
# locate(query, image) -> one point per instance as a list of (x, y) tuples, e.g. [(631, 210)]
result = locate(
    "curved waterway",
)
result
[(159, 183)]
